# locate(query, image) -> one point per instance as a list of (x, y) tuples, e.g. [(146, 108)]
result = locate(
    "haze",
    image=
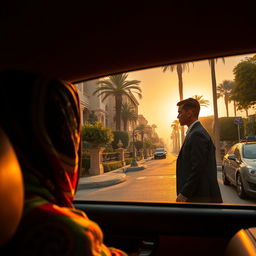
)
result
[(160, 91)]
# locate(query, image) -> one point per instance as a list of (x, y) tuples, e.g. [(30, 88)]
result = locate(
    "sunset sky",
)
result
[(160, 91)]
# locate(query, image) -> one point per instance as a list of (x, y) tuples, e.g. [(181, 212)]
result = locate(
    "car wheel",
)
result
[(224, 177), (239, 187)]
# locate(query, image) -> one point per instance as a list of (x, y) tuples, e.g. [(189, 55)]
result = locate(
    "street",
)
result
[(156, 183)]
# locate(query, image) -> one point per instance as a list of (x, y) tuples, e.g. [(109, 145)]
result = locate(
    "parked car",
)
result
[(74, 42), (239, 168), (160, 153)]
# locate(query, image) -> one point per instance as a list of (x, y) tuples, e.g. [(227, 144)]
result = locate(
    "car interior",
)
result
[(76, 42)]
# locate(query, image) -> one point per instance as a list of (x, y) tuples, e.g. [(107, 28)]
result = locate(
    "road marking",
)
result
[(159, 177), (140, 178), (169, 177)]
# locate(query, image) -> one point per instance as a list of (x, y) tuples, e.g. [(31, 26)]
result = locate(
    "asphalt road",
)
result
[(156, 183)]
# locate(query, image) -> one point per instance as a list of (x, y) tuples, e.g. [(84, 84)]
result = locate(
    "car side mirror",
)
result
[(232, 157)]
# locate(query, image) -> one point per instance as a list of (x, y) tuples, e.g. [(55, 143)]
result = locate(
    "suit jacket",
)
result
[(196, 169)]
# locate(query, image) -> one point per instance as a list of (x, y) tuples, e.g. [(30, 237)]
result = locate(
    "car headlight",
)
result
[(251, 170)]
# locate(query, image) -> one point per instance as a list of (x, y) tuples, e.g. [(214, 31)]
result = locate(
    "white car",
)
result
[(160, 153)]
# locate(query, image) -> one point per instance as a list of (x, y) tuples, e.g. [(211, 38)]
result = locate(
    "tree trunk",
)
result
[(179, 72), (216, 119), (246, 111), (125, 125), (226, 104), (118, 112), (234, 107), (142, 140)]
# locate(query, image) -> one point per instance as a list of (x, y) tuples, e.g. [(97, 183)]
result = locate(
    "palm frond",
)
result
[(106, 95), (166, 67), (129, 83), (103, 88), (134, 87)]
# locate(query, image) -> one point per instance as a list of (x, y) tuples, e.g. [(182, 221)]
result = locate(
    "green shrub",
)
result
[(120, 135), (138, 158), (110, 166), (96, 134), (128, 160)]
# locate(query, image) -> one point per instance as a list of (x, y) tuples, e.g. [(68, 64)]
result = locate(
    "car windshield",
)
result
[(249, 151), (131, 144), (160, 150)]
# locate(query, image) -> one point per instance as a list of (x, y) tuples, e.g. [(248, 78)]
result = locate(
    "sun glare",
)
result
[(206, 111)]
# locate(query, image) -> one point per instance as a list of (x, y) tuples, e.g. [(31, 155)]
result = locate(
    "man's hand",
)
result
[(181, 198)]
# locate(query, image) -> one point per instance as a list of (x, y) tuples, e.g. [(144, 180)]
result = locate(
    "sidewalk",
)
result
[(107, 179)]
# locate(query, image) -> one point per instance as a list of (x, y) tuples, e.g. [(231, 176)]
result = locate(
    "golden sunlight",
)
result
[(206, 111)]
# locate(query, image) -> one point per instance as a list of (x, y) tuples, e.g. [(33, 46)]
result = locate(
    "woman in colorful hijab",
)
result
[(41, 116)]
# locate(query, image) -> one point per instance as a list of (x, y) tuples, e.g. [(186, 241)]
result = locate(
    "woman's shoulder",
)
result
[(49, 226), (41, 209)]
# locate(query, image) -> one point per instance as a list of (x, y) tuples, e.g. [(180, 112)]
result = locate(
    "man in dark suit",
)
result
[(196, 169)]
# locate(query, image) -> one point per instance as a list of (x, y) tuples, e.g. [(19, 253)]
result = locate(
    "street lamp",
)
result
[(239, 122), (133, 162)]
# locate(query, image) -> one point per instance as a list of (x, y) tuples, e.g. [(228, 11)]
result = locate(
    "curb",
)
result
[(108, 179), (102, 180), (134, 168)]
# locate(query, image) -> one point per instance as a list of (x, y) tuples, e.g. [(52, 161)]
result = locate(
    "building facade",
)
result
[(84, 101), (94, 104), (104, 110)]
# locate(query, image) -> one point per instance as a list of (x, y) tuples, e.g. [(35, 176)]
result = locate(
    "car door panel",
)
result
[(228, 164), (226, 167), (233, 168)]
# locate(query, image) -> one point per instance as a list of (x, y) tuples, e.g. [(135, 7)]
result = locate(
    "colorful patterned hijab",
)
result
[(42, 119), (46, 111)]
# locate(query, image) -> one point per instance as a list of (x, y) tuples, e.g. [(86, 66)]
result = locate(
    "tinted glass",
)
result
[(249, 151)]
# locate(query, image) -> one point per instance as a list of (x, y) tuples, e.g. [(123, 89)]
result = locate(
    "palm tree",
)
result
[(118, 86), (128, 114), (202, 102), (234, 106), (176, 135), (142, 130), (224, 90), (215, 108), (180, 68)]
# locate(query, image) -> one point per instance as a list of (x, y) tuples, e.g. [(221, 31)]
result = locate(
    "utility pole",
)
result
[(239, 122), (134, 162), (215, 107)]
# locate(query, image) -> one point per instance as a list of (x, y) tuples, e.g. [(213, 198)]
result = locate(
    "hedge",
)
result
[(108, 166)]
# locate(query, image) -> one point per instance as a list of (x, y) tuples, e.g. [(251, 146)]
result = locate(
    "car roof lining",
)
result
[(80, 42)]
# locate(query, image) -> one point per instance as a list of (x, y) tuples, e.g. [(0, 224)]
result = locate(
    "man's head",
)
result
[(188, 111)]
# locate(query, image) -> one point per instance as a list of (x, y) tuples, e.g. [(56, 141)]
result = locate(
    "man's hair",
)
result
[(190, 103)]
